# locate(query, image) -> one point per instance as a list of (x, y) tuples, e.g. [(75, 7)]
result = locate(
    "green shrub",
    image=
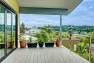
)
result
[(92, 35), (92, 57), (82, 46), (30, 39), (57, 33), (9, 37), (42, 36), (1, 38), (51, 36), (84, 39), (37, 35), (65, 35), (48, 29), (22, 38)]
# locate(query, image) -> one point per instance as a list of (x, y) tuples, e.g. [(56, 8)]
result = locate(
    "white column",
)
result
[(61, 28)]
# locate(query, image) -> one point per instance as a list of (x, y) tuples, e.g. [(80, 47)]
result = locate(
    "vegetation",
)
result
[(48, 29), (92, 35), (30, 39), (65, 35), (82, 47), (1, 37), (77, 29), (57, 35), (9, 36), (42, 36), (51, 36), (13, 36), (22, 38), (22, 28)]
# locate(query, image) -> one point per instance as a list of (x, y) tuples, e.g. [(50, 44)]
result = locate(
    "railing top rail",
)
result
[(89, 37)]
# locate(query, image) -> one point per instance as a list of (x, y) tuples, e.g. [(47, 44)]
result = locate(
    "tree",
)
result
[(48, 29), (22, 28)]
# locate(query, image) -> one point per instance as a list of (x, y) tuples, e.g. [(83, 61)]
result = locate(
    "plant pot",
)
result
[(41, 44), (10, 44), (58, 43), (32, 45), (50, 44), (23, 44), (2, 46)]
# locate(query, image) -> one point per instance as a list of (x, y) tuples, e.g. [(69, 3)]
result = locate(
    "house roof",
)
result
[(27, 29), (48, 6)]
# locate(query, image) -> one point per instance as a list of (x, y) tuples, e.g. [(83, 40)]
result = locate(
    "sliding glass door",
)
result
[(14, 30), (7, 31), (2, 42)]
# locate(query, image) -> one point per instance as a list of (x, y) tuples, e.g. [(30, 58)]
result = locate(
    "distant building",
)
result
[(27, 33), (26, 36), (34, 30), (27, 30), (31, 31)]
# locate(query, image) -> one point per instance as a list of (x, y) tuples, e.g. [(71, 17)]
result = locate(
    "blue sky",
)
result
[(82, 15)]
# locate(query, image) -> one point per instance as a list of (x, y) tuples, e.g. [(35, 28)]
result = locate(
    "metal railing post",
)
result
[(90, 50), (70, 36)]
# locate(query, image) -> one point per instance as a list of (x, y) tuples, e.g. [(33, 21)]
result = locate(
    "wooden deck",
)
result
[(44, 55)]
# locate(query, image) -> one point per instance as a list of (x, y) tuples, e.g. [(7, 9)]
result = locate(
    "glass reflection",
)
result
[(2, 43)]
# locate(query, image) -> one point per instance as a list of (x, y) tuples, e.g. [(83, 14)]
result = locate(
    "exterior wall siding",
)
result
[(13, 4)]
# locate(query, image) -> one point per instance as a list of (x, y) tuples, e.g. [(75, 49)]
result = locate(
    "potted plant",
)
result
[(50, 43), (40, 41), (23, 42), (42, 37), (10, 43), (30, 44), (58, 41), (2, 45)]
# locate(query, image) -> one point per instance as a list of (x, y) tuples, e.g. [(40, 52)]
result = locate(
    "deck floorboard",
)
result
[(44, 55)]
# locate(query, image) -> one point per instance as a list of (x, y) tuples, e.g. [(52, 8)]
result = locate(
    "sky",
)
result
[(82, 15)]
